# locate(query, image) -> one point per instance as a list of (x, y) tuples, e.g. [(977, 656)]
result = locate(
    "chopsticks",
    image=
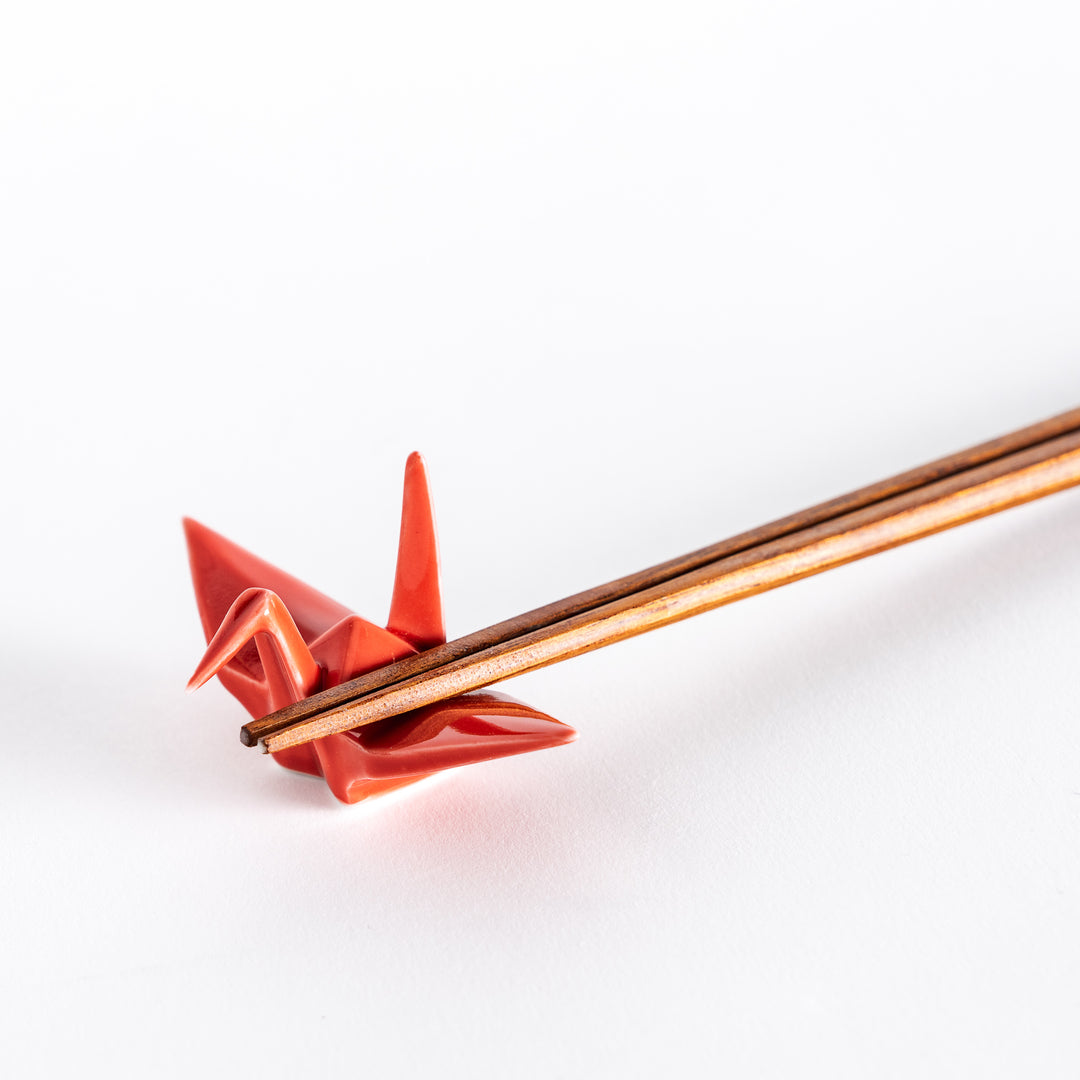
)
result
[(1016, 468)]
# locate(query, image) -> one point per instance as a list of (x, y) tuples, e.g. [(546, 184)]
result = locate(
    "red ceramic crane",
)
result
[(272, 641)]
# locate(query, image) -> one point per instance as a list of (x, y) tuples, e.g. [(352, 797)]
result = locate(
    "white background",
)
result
[(633, 277)]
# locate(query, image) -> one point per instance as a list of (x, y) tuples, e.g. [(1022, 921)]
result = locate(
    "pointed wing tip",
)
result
[(199, 678), (196, 534), (416, 469), (553, 733), (416, 604)]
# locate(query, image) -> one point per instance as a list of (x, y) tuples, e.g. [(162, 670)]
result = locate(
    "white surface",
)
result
[(633, 277)]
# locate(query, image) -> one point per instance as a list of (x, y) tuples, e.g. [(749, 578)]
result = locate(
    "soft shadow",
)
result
[(976, 581), (71, 726), (93, 727), (583, 816)]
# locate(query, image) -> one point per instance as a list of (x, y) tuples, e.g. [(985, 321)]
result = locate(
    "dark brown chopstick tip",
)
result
[(247, 738)]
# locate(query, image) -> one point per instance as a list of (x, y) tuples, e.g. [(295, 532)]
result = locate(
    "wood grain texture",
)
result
[(256, 730), (949, 492)]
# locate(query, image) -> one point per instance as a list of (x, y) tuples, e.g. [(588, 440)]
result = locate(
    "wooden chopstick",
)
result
[(992, 476), (975, 493), (255, 730)]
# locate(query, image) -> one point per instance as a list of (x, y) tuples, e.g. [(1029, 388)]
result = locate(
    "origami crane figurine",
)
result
[(274, 640)]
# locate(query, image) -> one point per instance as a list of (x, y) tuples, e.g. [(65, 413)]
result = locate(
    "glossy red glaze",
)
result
[(273, 640)]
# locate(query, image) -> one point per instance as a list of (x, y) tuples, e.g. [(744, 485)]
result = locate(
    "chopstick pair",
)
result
[(1005, 472)]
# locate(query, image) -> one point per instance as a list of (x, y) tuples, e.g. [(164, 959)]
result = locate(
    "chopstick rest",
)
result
[(273, 640)]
